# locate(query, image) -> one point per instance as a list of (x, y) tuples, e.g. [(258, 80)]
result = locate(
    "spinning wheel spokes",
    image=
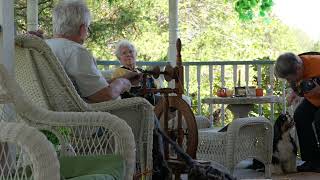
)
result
[(187, 134)]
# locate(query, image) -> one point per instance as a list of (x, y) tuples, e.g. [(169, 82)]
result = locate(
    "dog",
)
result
[(284, 147)]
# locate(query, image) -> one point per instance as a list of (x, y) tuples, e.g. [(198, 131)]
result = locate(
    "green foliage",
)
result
[(44, 15), (246, 8)]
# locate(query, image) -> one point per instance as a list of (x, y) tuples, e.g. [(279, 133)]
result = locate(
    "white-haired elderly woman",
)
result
[(302, 72), (126, 53), (71, 21)]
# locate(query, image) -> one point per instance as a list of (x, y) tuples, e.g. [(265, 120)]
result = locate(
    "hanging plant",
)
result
[(248, 8)]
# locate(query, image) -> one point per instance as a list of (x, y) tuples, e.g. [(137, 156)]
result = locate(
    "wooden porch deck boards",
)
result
[(242, 174)]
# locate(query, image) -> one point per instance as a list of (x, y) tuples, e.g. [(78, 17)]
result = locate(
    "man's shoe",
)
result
[(309, 166)]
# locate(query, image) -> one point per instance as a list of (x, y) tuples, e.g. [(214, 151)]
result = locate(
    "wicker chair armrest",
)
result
[(139, 114), (41, 153), (125, 144), (237, 124), (122, 104), (235, 127)]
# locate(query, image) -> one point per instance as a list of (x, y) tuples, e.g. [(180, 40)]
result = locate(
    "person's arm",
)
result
[(110, 92), (38, 33), (133, 77), (315, 91), (292, 98)]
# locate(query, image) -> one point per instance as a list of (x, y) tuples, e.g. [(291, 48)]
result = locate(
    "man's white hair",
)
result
[(125, 43), (68, 16)]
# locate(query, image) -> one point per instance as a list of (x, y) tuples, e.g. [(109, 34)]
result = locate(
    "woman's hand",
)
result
[(125, 84), (133, 77), (292, 98)]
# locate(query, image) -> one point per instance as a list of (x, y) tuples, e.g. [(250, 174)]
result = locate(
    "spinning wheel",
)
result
[(184, 131), (174, 113)]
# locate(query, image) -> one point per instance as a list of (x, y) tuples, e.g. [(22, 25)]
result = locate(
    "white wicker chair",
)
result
[(245, 138), (202, 122), (88, 133), (18, 143), (45, 82)]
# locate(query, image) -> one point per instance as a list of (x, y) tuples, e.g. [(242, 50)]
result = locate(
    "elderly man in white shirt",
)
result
[(71, 20)]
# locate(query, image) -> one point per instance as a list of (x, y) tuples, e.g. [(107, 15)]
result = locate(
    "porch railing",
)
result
[(203, 78)]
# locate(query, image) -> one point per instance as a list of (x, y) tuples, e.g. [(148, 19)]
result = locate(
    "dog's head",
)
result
[(283, 123)]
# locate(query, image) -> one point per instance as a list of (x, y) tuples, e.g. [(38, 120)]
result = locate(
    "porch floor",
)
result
[(242, 173)]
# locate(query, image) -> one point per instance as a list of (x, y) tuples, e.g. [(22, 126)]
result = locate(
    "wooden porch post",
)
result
[(173, 30), (32, 15)]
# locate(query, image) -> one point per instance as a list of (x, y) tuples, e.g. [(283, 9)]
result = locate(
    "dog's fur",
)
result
[(284, 147)]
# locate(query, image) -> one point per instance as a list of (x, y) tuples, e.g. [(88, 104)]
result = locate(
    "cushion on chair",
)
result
[(94, 177), (100, 167)]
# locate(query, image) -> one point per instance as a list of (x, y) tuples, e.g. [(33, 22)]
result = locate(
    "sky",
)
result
[(302, 14)]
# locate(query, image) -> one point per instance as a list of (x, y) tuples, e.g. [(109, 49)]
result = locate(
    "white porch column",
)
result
[(173, 30), (7, 58), (7, 35), (32, 15)]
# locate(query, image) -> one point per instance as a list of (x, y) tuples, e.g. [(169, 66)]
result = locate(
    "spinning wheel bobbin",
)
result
[(168, 73)]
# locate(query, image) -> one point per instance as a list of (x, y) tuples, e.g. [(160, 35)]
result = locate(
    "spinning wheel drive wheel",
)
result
[(176, 108)]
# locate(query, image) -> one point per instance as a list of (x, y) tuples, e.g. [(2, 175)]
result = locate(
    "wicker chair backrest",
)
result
[(35, 63)]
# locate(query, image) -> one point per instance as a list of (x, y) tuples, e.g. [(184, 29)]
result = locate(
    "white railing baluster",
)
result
[(211, 93), (235, 76), (187, 78), (246, 72), (106, 67), (222, 85), (199, 88), (259, 85), (271, 70), (259, 76)]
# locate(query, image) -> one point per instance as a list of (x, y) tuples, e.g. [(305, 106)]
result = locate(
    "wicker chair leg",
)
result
[(267, 171)]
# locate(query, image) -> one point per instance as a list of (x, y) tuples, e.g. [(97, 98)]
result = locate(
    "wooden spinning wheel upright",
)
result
[(184, 128)]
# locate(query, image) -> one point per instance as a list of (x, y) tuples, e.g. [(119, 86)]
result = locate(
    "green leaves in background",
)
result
[(246, 8)]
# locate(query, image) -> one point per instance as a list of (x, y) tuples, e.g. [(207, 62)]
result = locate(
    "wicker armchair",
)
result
[(32, 152), (245, 138), (45, 82), (79, 133)]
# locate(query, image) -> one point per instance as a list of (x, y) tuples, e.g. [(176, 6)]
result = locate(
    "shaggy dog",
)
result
[(284, 147)]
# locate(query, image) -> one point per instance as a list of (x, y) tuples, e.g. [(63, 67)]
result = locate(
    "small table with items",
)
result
[(241, 106)]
